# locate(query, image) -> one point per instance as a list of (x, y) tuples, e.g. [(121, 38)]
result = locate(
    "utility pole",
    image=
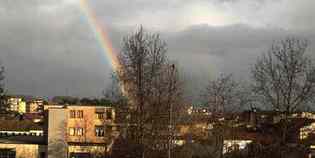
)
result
[(170, 127)]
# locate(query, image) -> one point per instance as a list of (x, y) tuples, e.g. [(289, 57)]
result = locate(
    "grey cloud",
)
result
[(285, 14)]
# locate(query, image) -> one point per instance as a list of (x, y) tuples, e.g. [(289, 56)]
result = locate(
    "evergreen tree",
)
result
[(3, 104)]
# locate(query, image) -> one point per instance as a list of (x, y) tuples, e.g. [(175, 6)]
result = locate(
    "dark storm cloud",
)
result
[(204, 51), (48, 47)]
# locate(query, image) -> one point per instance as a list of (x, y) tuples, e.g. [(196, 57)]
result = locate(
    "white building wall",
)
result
[(57, 145)]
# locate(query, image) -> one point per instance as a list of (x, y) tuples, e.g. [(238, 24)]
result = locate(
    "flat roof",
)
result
[(40, 140)]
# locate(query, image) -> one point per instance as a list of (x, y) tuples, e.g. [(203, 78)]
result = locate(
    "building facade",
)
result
[(84, 131)]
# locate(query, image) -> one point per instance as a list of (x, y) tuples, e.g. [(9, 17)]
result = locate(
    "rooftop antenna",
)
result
[(67, 91)]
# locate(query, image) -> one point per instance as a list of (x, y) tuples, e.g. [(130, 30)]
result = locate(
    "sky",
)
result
[(48, 48)]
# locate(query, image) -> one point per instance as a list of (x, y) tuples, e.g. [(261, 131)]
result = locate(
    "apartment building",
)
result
[(82, 131), (35, 106), (198, 110), (16, 104)]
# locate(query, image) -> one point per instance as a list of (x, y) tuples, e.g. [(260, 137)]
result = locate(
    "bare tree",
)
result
[(151, 85), (224, 94), (284, 78), (134, 59), (224, 97)]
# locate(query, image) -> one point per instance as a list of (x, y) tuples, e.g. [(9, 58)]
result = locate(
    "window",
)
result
[(76, 114), (72, 113), (7, 153), (71, 131), (100, 115), (109, 129), (109, 114), (80, 114), (79, 131), (76, 131), (99, 131)]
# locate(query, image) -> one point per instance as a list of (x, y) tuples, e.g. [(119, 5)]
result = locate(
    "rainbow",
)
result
[(100, 33), (102, 37)]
